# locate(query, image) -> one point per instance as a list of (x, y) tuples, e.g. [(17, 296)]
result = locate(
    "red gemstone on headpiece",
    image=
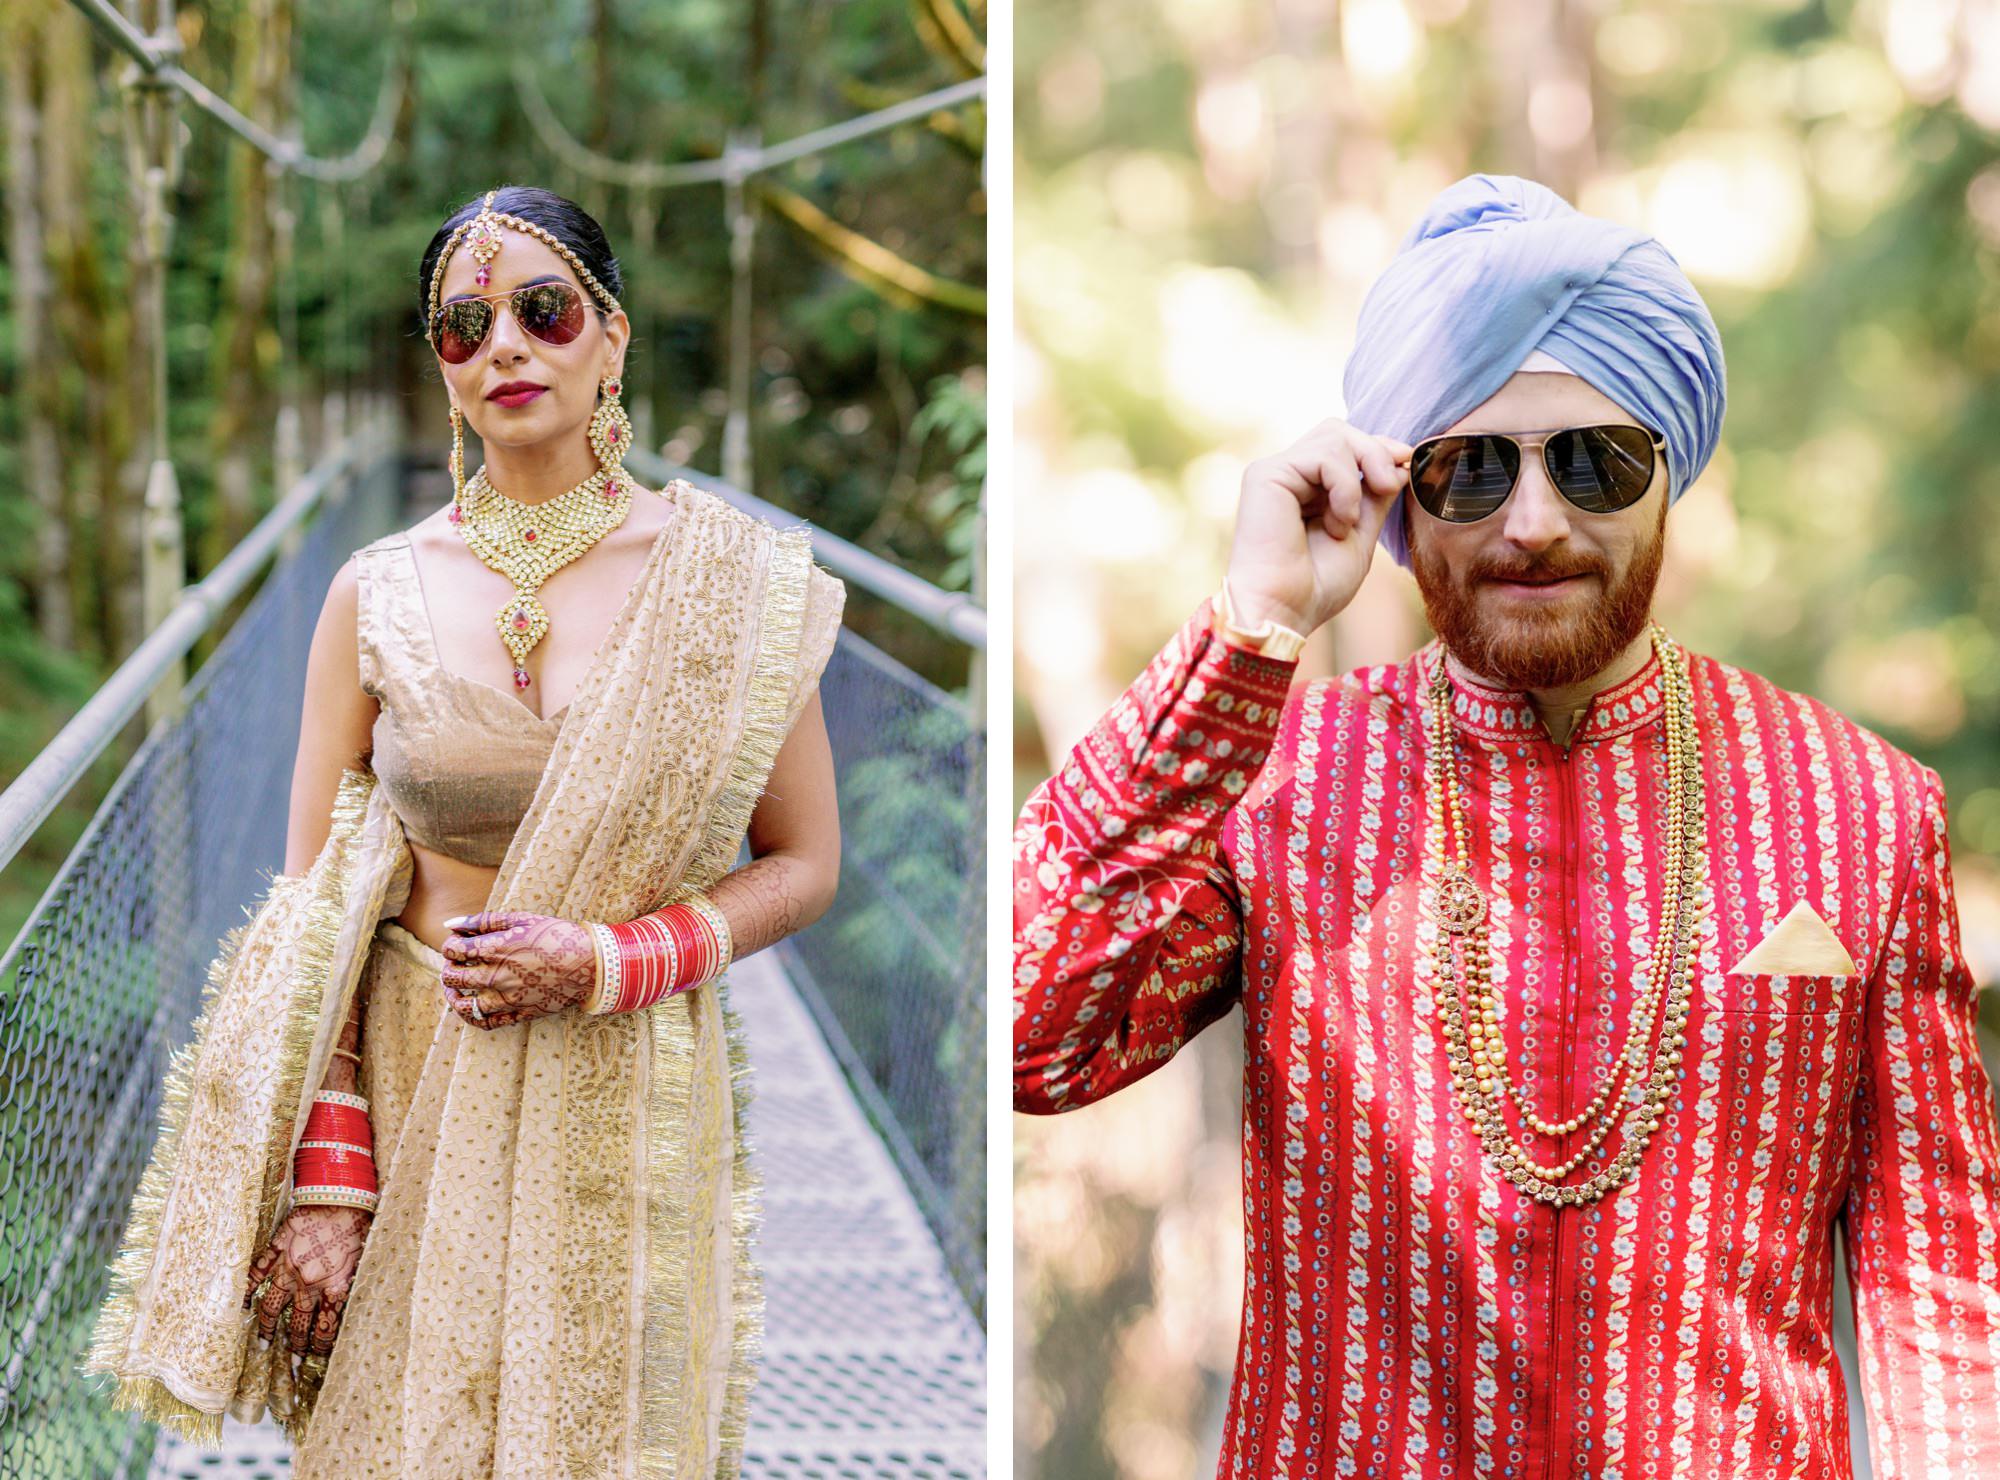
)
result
[(484, 275), (529, 536)]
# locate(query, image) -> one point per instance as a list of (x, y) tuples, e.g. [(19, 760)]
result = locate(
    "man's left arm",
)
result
[(1923, 1200)]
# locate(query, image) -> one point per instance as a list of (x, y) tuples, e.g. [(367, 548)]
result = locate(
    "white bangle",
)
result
[(335, 1197), (725, 947), (604, 991)]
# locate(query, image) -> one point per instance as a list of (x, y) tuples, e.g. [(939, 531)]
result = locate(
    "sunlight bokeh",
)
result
[(1205, 191)]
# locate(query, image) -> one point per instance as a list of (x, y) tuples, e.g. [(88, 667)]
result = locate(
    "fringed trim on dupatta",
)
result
[(768, 694), (147, 1394)]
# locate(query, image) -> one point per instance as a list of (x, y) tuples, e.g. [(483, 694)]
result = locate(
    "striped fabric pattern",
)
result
[(1221, 839)]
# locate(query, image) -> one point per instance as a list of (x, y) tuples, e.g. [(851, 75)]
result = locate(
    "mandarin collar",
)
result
[(1488, 713)]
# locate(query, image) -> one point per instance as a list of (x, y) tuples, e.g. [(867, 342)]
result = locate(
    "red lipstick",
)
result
[(515, 393)]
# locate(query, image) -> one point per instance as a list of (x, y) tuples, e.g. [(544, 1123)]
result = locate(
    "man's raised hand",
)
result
[(1306, 524)]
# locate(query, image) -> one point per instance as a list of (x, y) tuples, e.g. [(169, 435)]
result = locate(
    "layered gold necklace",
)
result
[(528, 543), (1643, 1074)]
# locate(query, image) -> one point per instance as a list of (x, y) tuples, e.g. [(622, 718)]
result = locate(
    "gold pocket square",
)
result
[(1801, 944)]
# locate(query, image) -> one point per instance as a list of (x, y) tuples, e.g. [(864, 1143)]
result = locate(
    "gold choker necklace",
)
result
[(528, 543), (1467, 1003)]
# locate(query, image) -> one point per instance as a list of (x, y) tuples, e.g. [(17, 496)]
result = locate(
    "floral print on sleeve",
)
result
[(1127, 918)]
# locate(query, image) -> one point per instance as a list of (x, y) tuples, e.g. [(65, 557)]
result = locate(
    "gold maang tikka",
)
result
[(527, 543), (482, 236)]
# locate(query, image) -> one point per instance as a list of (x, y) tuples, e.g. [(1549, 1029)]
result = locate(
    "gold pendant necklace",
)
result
[(528, 543), (1468, 1006)]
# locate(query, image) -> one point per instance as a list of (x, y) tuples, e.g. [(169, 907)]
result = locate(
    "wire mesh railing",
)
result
[(105, 980), (892, 970)]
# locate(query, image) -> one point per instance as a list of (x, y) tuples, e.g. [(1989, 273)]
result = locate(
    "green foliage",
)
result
[(956, 412)]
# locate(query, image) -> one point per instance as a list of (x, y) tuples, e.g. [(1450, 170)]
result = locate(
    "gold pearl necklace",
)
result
[(1467, 1004), (528, 543)]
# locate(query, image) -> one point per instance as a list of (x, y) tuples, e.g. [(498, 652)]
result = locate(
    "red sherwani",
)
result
[(1216, 842)]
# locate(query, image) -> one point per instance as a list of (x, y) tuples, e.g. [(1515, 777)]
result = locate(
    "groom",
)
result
[(1585, 981)]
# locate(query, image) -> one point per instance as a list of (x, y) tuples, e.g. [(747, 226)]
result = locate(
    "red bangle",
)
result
[(315, 1169), (322, 1155), (335, 1160), (326, 1122), (660, 954)]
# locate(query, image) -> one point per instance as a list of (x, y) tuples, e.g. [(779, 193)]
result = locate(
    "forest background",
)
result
[(868, 391), (1205, 189)]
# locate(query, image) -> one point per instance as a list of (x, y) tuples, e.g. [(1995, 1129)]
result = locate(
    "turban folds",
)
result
[(1498, 267)]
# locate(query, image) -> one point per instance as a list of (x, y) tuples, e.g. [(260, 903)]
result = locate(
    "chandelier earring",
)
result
[(457, 455), (610, 434)]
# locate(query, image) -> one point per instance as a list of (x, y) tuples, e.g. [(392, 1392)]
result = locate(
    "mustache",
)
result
[(1543, 568)]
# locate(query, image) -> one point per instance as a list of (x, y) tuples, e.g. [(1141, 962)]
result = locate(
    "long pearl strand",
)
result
[(1467, 1004)]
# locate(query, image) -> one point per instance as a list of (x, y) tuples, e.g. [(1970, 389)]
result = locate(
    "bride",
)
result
[(452, 1181)]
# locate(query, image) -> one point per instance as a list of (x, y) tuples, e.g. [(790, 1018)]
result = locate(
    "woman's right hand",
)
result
[(1306, 524), (311, 1261)]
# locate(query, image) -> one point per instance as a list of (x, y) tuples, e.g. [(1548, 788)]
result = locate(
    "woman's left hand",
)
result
[(516, 966)]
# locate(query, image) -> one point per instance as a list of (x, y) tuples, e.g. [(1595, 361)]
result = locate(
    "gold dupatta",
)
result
[(558, 1280), (172, 1330)]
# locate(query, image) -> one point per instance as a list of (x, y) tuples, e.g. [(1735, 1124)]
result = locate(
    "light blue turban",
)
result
[(1500, 267)]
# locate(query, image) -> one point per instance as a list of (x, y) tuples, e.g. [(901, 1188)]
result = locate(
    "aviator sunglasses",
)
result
[(1600, 469), (552, 312)]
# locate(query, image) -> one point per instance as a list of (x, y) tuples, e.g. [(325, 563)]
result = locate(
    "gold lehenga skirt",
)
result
[(405, 1008), (374, 1418)]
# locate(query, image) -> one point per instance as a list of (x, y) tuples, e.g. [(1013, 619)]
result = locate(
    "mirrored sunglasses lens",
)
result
[(1601, 469), (461, 329), (1464, 478), (552, 312)]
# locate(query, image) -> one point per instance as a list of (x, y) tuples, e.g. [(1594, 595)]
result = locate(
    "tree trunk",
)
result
[(93, 324), (41, 463), (757, 63), (604, 30), (246, 341)]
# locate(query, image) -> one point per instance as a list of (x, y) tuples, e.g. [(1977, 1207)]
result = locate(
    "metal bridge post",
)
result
[(152, 134), (741, 221), (288, 451)]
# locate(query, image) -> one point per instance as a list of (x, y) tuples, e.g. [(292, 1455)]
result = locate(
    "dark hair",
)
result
[(561, 217)]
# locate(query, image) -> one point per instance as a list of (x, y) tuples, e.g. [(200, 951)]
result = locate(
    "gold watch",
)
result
[(1272, 639)]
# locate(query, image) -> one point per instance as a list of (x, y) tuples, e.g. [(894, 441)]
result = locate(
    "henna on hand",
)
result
[(311, 1261), (519, 965), (327, 1325)]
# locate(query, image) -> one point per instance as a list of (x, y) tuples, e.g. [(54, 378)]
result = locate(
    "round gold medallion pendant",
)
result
[(1458, 901)]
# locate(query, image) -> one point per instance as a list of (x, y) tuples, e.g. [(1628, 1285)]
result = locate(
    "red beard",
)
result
[(1535, 649)]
